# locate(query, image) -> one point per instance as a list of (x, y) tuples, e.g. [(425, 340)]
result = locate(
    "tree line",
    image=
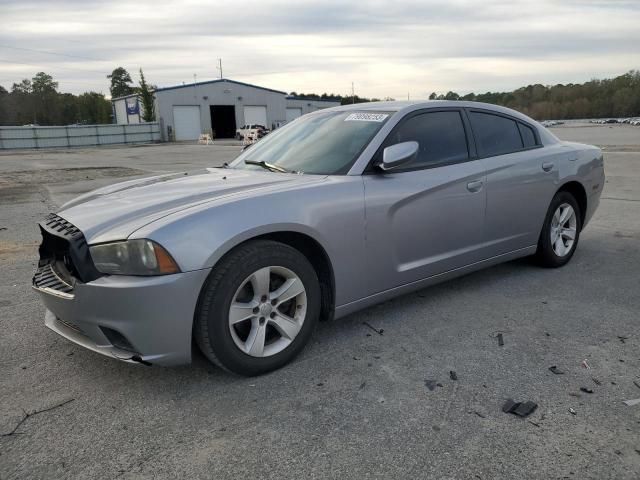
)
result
[(614, 97), (37, 101)]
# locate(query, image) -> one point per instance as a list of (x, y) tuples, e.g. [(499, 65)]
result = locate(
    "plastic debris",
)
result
[(556, 370), (572, 411), (586, 390), (500, 340), (430, 384), (453, 375), (631, 403), (379, 331), (522, 409), (622, 338), (585, 364)]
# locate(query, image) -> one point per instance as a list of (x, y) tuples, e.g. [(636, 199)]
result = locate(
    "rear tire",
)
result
[(255, 281), (561, 231)]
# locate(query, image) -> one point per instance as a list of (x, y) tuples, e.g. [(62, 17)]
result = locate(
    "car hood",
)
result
[(115, 212)]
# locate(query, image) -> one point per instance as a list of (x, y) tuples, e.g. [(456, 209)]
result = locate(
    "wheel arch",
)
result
[(313, 251), (578, 191)]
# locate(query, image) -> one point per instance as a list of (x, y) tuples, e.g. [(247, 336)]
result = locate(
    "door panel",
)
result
[(519, 191), (423, 222)]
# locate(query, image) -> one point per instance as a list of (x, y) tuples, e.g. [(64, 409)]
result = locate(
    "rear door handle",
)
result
[(547, 166), (474, 186)]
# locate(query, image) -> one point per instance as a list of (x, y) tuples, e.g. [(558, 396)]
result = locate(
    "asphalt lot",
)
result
[(354, 404)]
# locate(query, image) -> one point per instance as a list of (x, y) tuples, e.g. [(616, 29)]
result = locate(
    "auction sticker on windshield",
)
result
[(366, 117)]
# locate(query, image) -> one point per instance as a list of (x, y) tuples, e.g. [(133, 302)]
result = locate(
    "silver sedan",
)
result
[(338, 210)]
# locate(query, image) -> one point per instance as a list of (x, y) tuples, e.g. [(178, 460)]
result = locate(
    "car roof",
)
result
[(397, 106)]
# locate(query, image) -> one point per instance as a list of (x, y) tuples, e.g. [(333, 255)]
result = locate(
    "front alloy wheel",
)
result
[(268, 311), (258, 308)]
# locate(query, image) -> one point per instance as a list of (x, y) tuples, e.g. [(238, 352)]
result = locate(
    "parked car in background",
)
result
[(336, 211), (258, 131)]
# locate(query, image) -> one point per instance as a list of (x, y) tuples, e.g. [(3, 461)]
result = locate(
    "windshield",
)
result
[(325, 143)]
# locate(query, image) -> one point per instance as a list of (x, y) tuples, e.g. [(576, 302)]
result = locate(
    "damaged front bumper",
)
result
[(133, 319)]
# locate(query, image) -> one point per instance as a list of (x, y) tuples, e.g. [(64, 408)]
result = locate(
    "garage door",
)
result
[(255, 115), (293, 113), (186, 121)]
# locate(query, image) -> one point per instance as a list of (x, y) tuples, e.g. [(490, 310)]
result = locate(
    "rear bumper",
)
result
[(153, 314)]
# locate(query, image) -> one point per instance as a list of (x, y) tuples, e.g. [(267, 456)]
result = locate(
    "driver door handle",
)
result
[(474, 186)]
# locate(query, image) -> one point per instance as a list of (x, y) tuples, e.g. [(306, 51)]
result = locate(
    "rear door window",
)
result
[(495, 135), (441, 137)]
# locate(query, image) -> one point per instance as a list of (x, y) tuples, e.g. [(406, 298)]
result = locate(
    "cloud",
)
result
[(386, 48)]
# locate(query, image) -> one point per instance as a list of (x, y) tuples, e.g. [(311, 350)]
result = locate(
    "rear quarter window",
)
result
[(495, 135), (528, 137)]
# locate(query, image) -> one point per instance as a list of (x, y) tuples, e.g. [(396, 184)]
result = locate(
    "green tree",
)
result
[(146, 97), (93, 108), (121, 83), (45, 96), (433, 96)]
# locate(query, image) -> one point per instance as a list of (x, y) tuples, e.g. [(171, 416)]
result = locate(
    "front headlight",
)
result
[(133, 257)]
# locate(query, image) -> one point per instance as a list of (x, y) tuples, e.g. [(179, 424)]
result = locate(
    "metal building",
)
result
[(218, 107)]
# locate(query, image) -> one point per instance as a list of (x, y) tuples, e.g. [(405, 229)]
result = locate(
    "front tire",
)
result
[(258, 308), (561, 231)]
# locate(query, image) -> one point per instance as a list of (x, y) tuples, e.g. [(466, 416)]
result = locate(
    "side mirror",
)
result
[(398, 154)]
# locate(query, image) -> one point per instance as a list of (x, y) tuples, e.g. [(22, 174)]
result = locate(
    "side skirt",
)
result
[(348, 308)]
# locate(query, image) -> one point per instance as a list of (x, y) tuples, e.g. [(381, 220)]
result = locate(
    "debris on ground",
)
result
[(572, 411), (481, 415), (522, 409), (586, 390), (379, 331), (500, 340), (2, 228), (534, 423), (585, 364), (556, 370), (631, 403), (362, 385), (636, 384), (431, 384), (622, 338), (453, 375), (596, 381), (35, 412), (574, 394)]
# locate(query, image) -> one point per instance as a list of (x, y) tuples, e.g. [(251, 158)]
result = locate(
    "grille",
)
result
[(61, 226), (48, 280), (64, 254)]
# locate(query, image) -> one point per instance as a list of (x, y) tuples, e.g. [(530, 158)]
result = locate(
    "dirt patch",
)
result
[(21, 185), (10, 249)]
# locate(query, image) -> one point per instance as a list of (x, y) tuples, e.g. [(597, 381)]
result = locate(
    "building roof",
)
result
[(220, 80), (305, 99)]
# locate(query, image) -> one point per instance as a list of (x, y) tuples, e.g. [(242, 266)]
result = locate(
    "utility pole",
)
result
[(220, 66), (195, 88), (407, 96), (353, 95)]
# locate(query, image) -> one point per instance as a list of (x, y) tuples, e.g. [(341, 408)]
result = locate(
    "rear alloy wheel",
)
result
[(561, 231), (258, 308)]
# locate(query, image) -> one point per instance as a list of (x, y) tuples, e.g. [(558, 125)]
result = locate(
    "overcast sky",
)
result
[(386, 48)]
